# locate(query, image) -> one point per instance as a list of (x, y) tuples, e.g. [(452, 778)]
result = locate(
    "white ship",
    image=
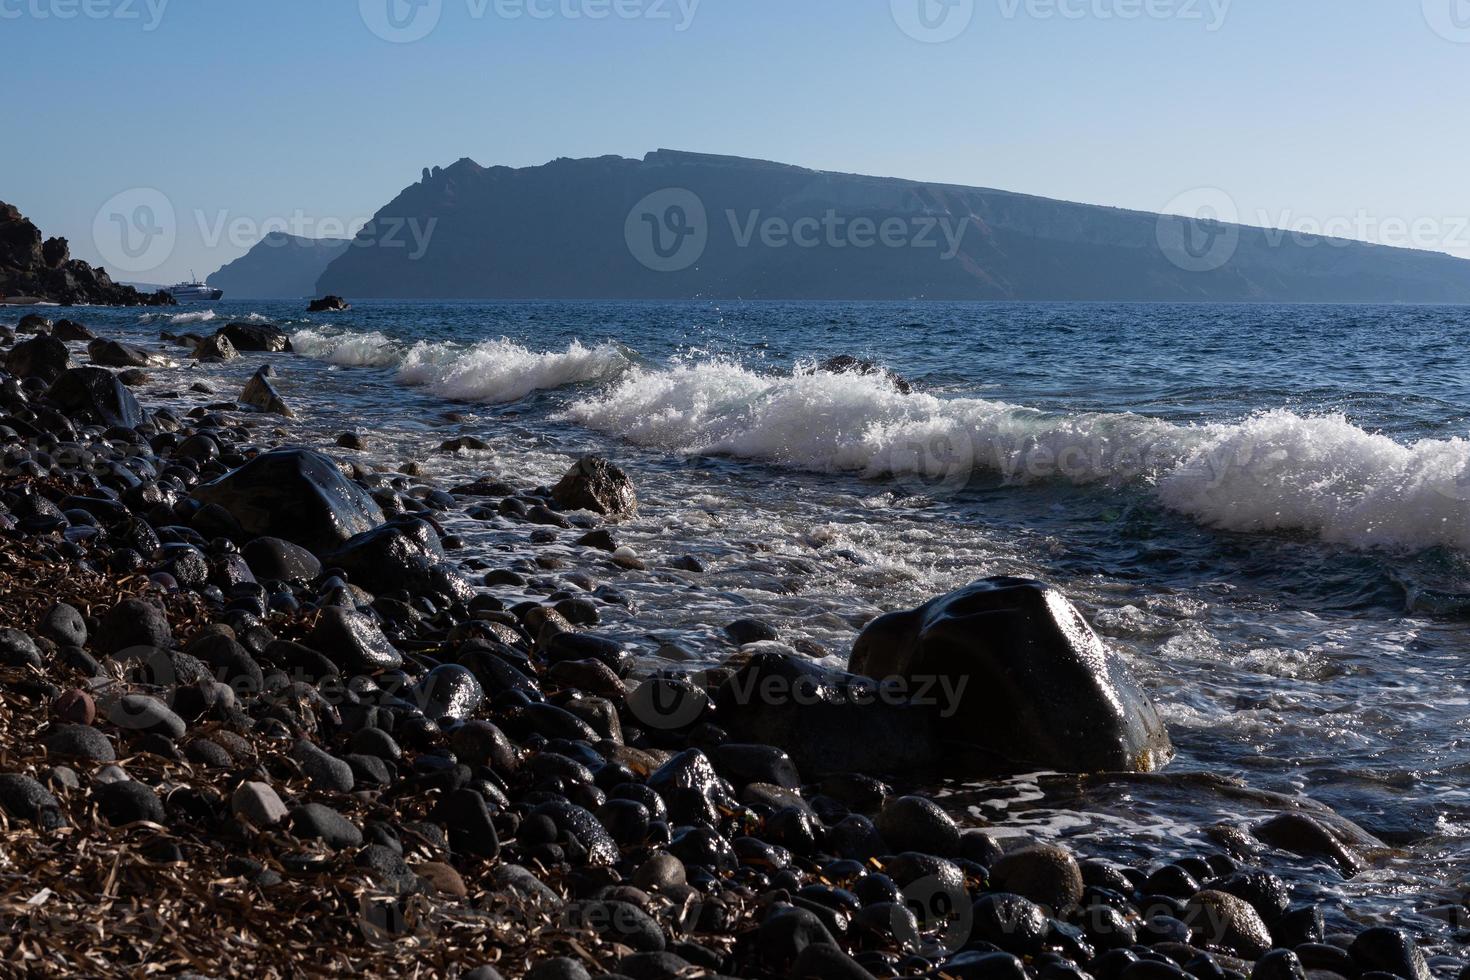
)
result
[(194, 292)]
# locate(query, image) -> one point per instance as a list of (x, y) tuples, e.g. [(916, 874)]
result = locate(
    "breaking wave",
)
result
[(1275, 471), (492, 371)]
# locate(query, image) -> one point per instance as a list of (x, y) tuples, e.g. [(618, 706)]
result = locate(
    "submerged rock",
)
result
[(329, 304), (1018, 682), (294, 494)]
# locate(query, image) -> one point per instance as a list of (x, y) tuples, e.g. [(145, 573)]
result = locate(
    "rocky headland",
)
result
[(33, 270)]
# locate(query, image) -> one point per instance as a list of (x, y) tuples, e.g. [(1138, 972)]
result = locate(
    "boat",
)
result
[(194, 292)]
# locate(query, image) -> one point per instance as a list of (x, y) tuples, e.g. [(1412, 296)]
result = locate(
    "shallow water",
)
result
[(1266, 510)]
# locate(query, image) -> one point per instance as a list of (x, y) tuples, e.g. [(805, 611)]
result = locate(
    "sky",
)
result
[(216, 121)]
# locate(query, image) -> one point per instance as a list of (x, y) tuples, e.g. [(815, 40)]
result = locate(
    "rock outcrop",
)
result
[(44, 271), (328, 304)]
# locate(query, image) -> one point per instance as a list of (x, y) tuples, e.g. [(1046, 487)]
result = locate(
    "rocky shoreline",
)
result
[(34, 271), (256, 719)]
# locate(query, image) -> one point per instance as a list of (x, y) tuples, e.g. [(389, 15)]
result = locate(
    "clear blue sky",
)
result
[(1301, 110)]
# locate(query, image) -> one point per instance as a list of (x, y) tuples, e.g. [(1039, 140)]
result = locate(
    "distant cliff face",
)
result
[(44, 270), (279, 266), (684, 225)]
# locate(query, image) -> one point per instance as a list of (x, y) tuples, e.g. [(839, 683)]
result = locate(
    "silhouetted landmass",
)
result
[(33, 269), (583, 229), (279, 266)]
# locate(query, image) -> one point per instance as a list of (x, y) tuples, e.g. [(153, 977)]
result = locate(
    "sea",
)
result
[(1265, 510)]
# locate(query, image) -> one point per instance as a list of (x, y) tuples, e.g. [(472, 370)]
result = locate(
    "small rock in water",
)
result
[(744, 631), (597, 485)]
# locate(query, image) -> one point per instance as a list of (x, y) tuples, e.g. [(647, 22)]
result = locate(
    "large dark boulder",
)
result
[(297, 495), (402, 554), (110, 353), (264, 337), (42, 357), (98, 393), (1019, 681), (595, 484)]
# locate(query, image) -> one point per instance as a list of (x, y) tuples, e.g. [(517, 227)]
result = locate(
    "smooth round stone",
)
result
[(128, 802), (79, 742), (324, 770), (258, 803), (913, 823), (1046, 874), (141, 713), (24, 798), (317, 822), (449, 691)]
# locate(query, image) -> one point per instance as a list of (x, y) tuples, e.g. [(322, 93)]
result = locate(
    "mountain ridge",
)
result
[(567, 230)]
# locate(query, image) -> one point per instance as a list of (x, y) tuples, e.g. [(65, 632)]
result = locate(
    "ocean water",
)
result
[(1265, 510)]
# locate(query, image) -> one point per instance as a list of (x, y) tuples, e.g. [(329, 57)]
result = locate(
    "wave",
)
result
[(178, 319), (1276, 471), (492, 371)]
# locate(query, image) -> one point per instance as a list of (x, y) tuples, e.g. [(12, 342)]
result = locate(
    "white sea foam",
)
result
[(178, 319), (347, 349), (1275, 471), (491, 371)]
